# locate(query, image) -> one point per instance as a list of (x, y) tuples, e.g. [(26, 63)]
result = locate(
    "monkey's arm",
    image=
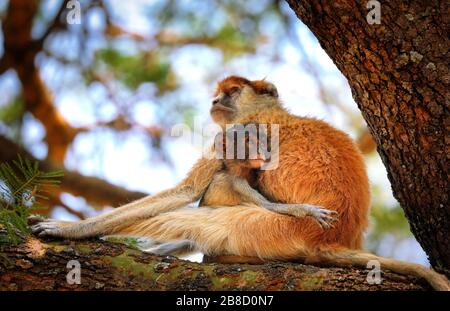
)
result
[(188, 191), (323, 216)]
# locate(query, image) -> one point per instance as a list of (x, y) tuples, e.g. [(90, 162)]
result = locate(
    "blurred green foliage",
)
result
[(389, 219), (133, 70), (385, 219), (22, 190), (13, 111)]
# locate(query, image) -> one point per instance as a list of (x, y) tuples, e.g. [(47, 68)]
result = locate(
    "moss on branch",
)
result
[(42, 265)]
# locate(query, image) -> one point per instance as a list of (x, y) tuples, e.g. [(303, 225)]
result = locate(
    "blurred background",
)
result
[(97, 91)]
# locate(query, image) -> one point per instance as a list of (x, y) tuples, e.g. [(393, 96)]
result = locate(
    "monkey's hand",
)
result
[(43, 227), (323, 216)]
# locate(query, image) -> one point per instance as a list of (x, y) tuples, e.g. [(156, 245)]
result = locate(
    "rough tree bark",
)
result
[(41, 265), (399, 75)]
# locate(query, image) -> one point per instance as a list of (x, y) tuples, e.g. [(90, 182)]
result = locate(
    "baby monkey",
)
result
[(244, 150)]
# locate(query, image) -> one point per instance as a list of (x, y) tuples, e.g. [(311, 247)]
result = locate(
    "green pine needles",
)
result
[(22, 189)]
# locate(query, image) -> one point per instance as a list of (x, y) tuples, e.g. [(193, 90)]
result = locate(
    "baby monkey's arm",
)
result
[(323, 216)]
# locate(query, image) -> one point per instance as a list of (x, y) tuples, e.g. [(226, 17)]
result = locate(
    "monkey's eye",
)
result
[(234, 89)]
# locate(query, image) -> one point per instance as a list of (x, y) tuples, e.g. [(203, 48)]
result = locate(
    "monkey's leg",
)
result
[(323, 216), (351, 258), (188, 191), (108, 225), (101, 224), (241, 230)]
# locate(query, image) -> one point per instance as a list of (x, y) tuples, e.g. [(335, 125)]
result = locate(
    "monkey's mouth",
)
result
[(221, 108)]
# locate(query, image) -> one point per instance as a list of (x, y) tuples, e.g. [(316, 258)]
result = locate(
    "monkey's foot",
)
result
[(323, 216), (48, 227)]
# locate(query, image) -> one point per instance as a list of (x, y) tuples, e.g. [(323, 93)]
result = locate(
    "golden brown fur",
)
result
[(320, 164)]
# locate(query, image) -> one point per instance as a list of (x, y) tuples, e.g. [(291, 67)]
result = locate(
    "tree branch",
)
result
[(3, 65), (96, 191), (54, 25), (20, 51), (112, 266)]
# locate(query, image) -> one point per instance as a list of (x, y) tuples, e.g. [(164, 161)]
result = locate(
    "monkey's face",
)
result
[(225, 103), (235, 94), (244, 145)]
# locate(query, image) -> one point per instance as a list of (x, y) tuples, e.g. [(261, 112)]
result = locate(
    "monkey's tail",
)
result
[(354, 258)]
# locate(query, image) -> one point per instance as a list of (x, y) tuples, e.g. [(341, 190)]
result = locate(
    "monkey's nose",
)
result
[(215, 101)]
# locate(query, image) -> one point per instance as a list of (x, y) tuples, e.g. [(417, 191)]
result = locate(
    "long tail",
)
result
[(353, 258)]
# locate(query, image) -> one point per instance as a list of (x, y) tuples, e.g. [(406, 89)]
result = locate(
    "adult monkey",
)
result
[(225, 108), (318, 164)]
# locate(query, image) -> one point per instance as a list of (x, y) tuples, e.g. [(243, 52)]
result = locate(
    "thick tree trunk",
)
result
[(40, 265), (399, 75)]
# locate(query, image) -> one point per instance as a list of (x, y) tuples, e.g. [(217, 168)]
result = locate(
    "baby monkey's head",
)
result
[(243, 145), (236, 95)]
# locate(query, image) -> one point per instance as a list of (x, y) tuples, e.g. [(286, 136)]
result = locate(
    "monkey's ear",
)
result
[(271, 89), (264, 87)]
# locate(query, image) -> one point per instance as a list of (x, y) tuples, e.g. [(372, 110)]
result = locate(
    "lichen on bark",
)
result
[(42, 265)]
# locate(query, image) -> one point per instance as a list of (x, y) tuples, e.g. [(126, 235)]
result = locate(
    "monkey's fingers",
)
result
[(324, 217), (34, 219), (330, 217), (329, 212), (323, 224), (325, 213), (47, 228)]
